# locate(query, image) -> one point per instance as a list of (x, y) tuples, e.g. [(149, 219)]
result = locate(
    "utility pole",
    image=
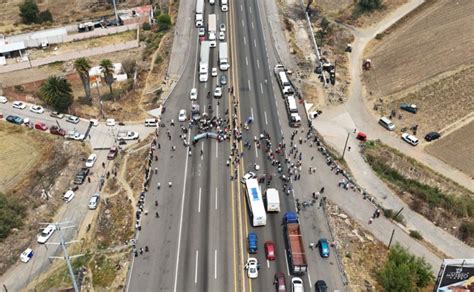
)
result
[(391, 237), (66, 256), (345, 145), (116, 16)]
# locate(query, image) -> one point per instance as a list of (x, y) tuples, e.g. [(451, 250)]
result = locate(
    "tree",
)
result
[(404, 271), (108, 69), (45, 16), (82, 67), (163, 19), (57, 92), (29, 12), (370, 4)]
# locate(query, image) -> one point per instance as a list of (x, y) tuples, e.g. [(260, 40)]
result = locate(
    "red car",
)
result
[(269, 250), (280, 283), (41, 126), (112, 153), (55, 130)]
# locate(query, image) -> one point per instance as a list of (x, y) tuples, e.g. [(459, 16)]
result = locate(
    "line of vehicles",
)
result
[(200, 7), (288, 93)]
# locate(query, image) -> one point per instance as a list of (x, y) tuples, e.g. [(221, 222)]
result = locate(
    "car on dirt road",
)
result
[(46, 233), (431, 136), (26, 255), (410, 139), (68, 196), (112, 153), (14, 120), (81, 176), (19, 105), (3, 99), (409, 107), (37, 109), (91, 160), (94, 201), (41, 126), (55, 130), (121, 136)]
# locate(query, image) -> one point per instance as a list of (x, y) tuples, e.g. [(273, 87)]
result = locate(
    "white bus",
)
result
[(255, 202)]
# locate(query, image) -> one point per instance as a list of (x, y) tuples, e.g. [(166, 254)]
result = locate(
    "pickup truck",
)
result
[(127, 136)]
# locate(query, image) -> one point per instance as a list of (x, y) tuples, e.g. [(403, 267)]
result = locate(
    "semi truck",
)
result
[(199, 20), (272, 200), (223, 56), (297, 262), (212, 30), (282, 78), (204, 61)]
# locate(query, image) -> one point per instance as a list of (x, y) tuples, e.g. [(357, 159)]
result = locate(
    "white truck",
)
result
[(291, 104), (272, 200), (212, 30), (223, 56), (199, 20), (204, 61), (282, 78)]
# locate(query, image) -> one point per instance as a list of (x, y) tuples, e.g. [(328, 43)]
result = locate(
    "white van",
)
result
[(387, 124), (151, 122), (272, 200)]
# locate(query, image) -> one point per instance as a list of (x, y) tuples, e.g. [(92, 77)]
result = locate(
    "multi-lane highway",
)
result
[(198, 242)]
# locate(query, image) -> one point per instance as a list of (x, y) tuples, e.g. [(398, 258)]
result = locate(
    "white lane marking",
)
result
[(252, 25), (205, 85), (255, 43), (265, 113), (196, 268), (250, 9), (217, 149), (243, 23), (286, 259), (241, 7), (181, 218), (251, 112), (268, 264), (261, 87), (309, 279), (216, 198), (215, 264), (256, 152), (199, 202), (245, 41), (202, 150), (258, 64), (249, 84), (246, 60)]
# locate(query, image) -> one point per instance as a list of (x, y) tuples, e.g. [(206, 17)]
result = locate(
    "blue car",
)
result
[(252, 240), (15, 120), (323, 247)]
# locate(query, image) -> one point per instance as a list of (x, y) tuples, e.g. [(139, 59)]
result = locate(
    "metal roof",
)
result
[(6, 48)]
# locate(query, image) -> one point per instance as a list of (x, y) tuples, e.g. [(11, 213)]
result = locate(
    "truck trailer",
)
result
[(223, 56), (297, 262), (199, 20), (204, 61), (212, 30)]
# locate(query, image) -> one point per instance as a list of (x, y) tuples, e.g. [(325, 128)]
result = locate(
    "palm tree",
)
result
[(108, 69), (56, 91), (82, 67)]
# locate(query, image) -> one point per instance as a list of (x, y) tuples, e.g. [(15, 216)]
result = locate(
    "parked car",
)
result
[(91, 160), (182, 115), (73, 135), (323, 246), (297, 285), (72, 119), (218, 92), (269, 247), (18, 105), (3, 99), (46, 233), (57, 115), (193, 94), (41, 126), (26, 255), (320, 286), (68, 196), (14, 120), (81, 176), (412, 108), (127, 136), (94, 122), (36, 109), (94, 201), (432, 136), (279, 281), (252, 267), (223, 80), (410, 139), (110, 122), (55, 130), (112, 153)]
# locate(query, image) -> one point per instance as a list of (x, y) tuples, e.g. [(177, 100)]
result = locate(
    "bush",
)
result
[(163, 27), (404, 271), (416, 235), (369, 5), (11, 213), (146, 26), (45, 16), (466, 231), (29, 12), (164, 19)]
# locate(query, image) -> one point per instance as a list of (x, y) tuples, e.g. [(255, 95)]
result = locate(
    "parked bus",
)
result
[(255, 202)]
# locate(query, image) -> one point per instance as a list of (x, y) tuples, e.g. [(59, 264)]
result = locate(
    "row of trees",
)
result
[(56, 91)]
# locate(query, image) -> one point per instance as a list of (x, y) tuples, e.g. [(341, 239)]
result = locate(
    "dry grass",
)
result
[(457, 149), (431, 41)]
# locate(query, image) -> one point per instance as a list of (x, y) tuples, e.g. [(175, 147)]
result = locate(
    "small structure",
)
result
[(367, 64), (137, 15), (10, 50)]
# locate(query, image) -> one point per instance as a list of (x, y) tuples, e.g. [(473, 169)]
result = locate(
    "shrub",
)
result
[(146, 26), (45, 16), (416, 235), (29, 12), (164, 19), (11, 213), (466, 231), (369, 5)]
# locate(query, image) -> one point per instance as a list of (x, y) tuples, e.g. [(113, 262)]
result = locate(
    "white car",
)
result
[(194, 94), (75, 136), (252, 267), (72, 119), (68, 196), (214, 72), (221, 36), (37, 109), (248, 175), (218, 91), (57, 115), (94, 122), (3, 99), (201, 31), (91, 160), (121, 136), (212, 2), (110, 122), (222, 27), (297, 285), (46, 233), (182, 115), (18, 105), (26, 255), (224, 8), (94, 201), (410, 139)]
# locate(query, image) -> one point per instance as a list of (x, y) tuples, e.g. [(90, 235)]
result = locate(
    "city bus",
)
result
[(255, 203)]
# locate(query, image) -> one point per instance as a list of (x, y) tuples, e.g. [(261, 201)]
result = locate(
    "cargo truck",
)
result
[(273, 200), (297, 262), (223, 56), (204, 61), (212, 30), (199, 20), (282, 78)]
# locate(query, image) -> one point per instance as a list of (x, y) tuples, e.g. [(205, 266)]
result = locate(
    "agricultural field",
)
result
[(433, 39), (456, 149)]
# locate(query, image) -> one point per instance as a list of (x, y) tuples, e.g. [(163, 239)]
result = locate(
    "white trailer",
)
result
[(283, 81), (223, 56), (199, 20), (291, 104), (272, 200), (212, 29), (204, 61)]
